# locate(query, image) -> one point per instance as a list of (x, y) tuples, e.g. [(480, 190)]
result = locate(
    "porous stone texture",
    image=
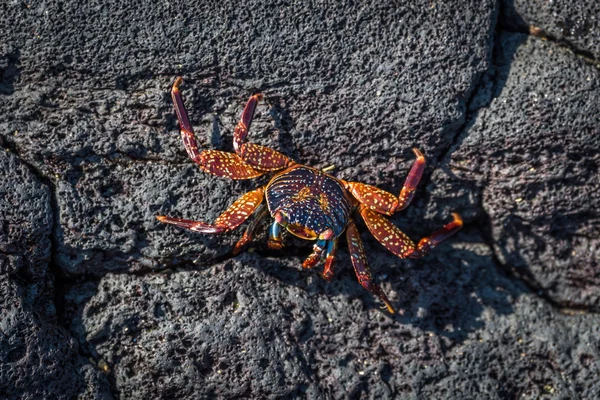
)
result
[(38, 359), (572, 22), (534, 154), (91, 107), (256, 327), (127, 307)]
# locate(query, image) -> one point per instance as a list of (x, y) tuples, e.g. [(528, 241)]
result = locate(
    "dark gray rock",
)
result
[(576, 23), (258, 327), (84, 101), (38, 359), (533, 155), (91, 107)]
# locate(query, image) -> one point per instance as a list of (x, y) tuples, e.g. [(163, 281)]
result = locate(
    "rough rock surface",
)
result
[(572, 22), (256, 327), (97, 119), (509, 124), (38, 359), (533, 155)]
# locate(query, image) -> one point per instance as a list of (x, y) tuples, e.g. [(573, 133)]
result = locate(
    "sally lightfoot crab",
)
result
[(307, 202)]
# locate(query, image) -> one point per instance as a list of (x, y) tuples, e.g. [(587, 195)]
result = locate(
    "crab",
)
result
[(307, 202)]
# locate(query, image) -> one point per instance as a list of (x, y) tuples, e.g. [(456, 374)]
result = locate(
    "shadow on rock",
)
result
[(9, 71)]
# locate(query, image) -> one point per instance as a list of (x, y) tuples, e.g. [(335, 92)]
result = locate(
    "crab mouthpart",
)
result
[(301, 231)]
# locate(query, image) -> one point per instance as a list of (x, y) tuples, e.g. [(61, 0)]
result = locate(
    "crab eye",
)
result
[(301, 231)]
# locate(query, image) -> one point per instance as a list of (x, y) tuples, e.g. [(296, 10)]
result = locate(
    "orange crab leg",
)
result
[(263, 158), (398, 243), (216, 162), (376, 199), (331, 250), (429, 242), (233, 217), (257, 156), (187, 132), (241, 130), (412, 180), (384, 202), (230, 165), (261, 211), (387, 234), (361, 268)]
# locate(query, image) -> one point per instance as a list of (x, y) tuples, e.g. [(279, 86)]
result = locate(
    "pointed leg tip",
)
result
[(258, 96), (237, 250), (457, 219), (386, 301), (161, 218), (274, 245), (177, 83), (327, 277), (241, 245), (418, 153)]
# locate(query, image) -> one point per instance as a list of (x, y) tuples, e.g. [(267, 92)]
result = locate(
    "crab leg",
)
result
[(384, 202), (257, 156), (251, 229), (397, 242), (263, 158), (233, 217), (361, 268), (230, 165), (187, 132), (387, 234), (429, 242), (241, 130), (275, 242), (314, 257), (331, 250), (215, 162)]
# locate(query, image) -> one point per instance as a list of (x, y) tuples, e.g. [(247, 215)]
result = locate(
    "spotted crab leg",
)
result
[(215, 162), (361, 268), (330, 257), (384, 202), (314, 257), (259, 157), (261, 212), (398, 242), (233, 217)]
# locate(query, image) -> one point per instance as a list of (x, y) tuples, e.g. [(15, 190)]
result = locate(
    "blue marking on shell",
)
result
[(310, 198)]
